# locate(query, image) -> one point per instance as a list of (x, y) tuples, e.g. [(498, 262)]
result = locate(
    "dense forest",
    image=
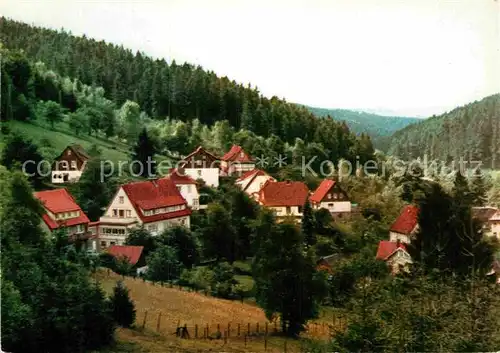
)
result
[(378, 127), (471, 132)]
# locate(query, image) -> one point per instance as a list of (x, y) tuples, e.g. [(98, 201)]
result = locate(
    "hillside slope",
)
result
[(471, 132), (378, 127)]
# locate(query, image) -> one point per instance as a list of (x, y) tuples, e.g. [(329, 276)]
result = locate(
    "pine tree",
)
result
[(143, 154), (479, 189), (308, 224), (123, 307)]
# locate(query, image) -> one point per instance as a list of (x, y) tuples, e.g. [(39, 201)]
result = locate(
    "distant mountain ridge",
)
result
[(470, 132), (378, 127)]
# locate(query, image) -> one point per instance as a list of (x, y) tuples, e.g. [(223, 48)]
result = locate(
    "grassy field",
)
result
[(52, 142), (169, 307)]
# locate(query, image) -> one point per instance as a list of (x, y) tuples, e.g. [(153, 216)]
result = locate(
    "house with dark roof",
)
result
[(285, 198), (187, 186), (155, 204), (394, 253), (201, 164), (62, 212), (236, 161), (252, 181), (405, 226), (69, 165), (329, 195)]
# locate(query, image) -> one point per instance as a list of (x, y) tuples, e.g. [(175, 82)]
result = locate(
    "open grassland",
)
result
[(169, 307)]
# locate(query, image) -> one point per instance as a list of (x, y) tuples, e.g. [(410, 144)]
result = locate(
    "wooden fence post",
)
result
[(159, 322), (265, 342), (246, 339), (228, 329), (257, 327), (218, 328), (238, 330), (266, 328), (145, 318), (248, 328), (208, 331), (196, 331), (225, 337), (275, 328)]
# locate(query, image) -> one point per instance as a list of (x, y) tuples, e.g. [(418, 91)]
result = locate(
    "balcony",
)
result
[(118, 220)]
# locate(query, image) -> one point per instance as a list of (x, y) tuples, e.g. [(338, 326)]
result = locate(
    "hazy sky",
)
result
[(409, 57)]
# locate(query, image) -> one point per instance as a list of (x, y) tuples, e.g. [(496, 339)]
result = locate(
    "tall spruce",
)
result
[(143, 163), (308, 224), (479, 188), (123, 307)]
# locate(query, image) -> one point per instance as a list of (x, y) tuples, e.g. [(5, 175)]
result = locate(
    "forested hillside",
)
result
[(378, 127), (180, 92), (468, 132)]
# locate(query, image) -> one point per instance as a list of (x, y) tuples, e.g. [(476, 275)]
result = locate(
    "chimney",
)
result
[(288, 182)]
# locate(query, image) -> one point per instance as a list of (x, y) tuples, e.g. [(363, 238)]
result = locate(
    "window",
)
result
[(121, 199), (73, 164), (330, 205), (115, 212), (199, 173), (300, 209), (341, 196), (122, 213), (112, 243), (288, 210), (129, 213), (335, 196), (195, 202), (183, 221), (329, 196), (153, 227), (69, 153), (103, 244)]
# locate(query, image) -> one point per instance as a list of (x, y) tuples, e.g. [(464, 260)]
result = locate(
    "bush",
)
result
[(122, 306), (223, 282), (198, 278)]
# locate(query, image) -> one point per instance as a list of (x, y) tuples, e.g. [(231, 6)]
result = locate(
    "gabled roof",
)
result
[(484, 214), (198, 150), (78, 150), (152, 194), (179, 177), (129, 252), (407, 220), (386, 248), (58, 201), (283, 193), (250, 176), (237, 154), (323, 188)]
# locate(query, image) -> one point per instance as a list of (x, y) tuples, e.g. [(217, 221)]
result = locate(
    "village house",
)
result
[(405, 226), (394, 254), (236, 161), (489, 218), (252, 181), (285, 198), (155, 204), (69, 165), (62, 212), (329, 195), (201, 164), (187, 187)]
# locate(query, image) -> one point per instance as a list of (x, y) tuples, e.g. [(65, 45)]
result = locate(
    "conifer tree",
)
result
[(143, 154), (479, 189), (308, 224), (123, 307)]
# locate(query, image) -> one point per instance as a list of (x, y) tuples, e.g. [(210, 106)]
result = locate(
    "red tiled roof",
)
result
[(386, 248), (407, 220), (151, 194), (131, 253), (237, 154), (58, 200), (283, 193), (180, 178), (322, 189)]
